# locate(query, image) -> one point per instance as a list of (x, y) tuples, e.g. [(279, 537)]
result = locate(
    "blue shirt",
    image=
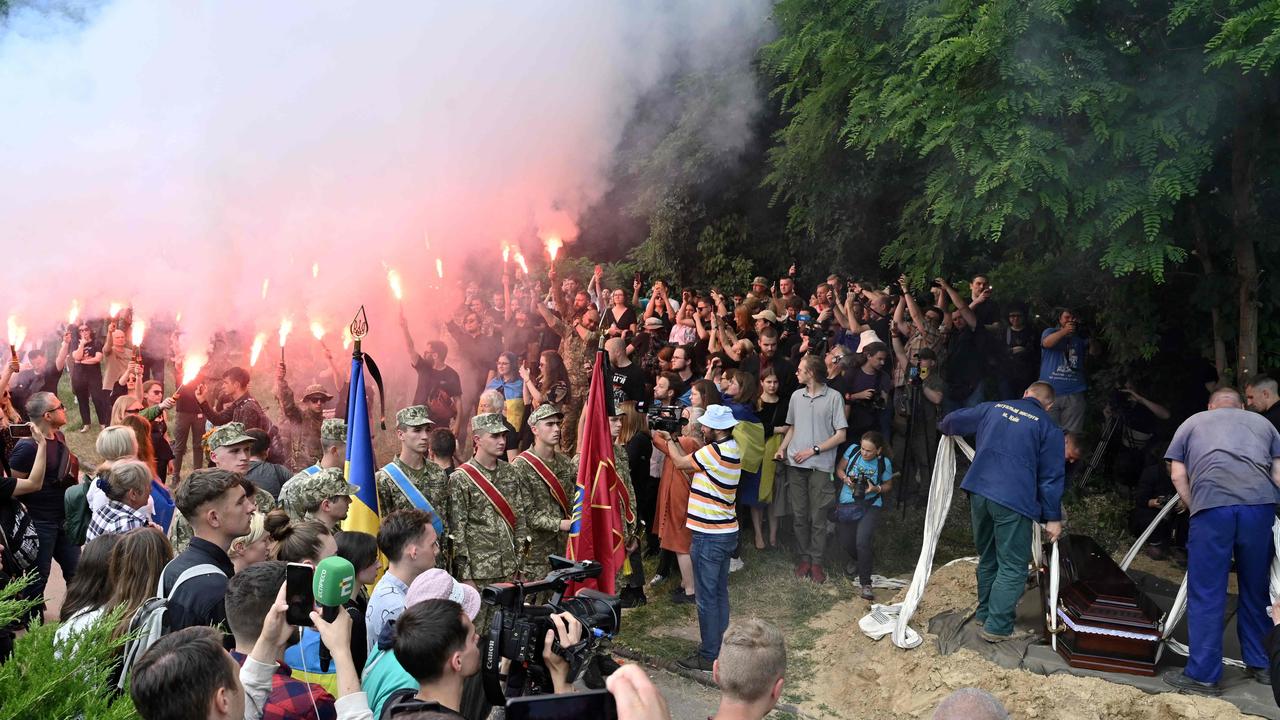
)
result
[(865, 471), (1020, 459), (1062, 365), (1228, 455), (386, 603)]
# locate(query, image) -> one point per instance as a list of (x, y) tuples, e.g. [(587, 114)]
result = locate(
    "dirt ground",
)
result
[(882, 681)]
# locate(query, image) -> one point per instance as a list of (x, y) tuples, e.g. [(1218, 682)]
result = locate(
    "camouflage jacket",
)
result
[(299, 439), (287, 493), (578, 354), (484, 546), (542, 510), (181, 532), (624, 474), (430, 481)]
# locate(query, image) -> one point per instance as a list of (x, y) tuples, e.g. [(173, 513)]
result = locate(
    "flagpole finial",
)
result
[(360, 325)]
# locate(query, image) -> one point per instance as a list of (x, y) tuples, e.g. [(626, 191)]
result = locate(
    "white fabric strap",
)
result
[(456, 593)]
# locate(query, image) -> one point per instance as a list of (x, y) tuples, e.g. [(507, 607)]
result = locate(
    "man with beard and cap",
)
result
[(578, 341), (491, 538), (549, 479), (325, 496), (411, 481), (230, 449), (333, 445), (759, 297), (299, 433)]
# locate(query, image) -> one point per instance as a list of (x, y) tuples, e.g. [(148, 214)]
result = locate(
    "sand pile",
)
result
[(858, 677)]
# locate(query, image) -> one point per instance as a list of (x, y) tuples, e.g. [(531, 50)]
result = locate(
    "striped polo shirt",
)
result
[(714, 488)]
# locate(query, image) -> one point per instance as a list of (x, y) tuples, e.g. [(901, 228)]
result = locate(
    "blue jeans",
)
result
[(711, 553), (1215, 536), (54, 545)]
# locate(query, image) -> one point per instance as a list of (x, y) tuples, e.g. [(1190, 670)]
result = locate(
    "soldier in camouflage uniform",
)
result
[(413, 428), (333, 444), (228, 448), (632, 585), (578, 345), (300, 431), (548, 513), (325, 496), (484, 510)]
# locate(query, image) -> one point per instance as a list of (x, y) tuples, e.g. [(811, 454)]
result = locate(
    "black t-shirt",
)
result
[(432, 382), (1026, 343), (966, 362), (862, 413), (45, 504), (628, 383), (1273, 414)]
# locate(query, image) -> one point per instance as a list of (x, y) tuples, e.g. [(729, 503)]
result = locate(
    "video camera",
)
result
[(818, 337), (517, 631), (666, 417)]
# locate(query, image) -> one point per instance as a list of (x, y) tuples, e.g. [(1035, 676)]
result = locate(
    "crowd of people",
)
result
[(798, 418)]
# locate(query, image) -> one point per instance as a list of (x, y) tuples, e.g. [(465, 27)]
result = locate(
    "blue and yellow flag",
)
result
[(363, 515)]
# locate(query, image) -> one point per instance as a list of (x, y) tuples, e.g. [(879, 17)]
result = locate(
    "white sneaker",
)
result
[(656, 580), (736, 564)]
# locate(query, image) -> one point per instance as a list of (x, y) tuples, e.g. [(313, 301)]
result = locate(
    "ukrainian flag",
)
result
[(363, 515)]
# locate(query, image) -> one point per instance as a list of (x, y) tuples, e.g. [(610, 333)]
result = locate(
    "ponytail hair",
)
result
[(294, 542)]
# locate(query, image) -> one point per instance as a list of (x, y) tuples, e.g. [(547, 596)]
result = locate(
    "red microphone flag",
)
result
[(597, 532)]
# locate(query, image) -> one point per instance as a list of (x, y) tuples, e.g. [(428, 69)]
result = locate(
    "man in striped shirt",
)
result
[(715, 469)]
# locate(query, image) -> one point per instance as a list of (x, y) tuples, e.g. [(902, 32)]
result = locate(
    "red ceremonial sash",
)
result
[(548, 477), (499, 503)]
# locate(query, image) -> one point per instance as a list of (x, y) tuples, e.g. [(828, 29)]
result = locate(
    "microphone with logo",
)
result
[(332, 584)]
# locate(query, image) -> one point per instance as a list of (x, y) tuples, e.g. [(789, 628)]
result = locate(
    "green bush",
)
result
[(35, 684)]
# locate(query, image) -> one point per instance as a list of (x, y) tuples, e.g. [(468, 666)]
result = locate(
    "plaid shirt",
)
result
[(115, 518), (293, 700)]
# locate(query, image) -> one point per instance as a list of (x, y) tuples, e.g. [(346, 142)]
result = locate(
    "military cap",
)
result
[(227, 435), (760, 280), (315, 389), (543, 412), (488, 423), (334, 429), (413, 416), (312, 490)]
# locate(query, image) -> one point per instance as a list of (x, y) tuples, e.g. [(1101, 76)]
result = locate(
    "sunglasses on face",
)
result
[(132, 411)]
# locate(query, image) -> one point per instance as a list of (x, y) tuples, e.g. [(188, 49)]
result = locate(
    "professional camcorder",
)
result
[(666, 417), (518, 631)]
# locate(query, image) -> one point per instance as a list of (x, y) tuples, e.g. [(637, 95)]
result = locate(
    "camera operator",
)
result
[(437, 644), (1062, 358)]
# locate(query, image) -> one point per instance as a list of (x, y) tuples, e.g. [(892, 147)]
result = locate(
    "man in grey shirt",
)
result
[(815, 428), (1226, 471)]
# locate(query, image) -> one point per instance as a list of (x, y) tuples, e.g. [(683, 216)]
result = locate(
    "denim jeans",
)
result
[(711, 553), (54, 545)]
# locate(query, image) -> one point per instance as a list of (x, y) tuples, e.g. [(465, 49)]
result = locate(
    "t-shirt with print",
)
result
[(1062, 365), (868, 473)]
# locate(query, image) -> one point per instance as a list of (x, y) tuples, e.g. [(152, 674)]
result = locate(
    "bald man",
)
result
[(627, 377), (1017, 478), (1225, 467)]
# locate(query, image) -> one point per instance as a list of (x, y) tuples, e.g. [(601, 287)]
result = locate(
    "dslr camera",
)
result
[(666, 417), (518, 630)]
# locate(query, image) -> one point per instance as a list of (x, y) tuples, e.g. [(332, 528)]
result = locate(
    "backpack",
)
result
[(148, 621), (21, 543), (75, 502)]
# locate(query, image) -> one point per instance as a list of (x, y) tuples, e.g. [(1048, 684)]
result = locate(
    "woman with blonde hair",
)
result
[(124, 406), (252, 547), (116, 442)]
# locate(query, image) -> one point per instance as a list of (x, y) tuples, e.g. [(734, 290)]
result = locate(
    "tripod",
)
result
[(1100, 450), (913, 410)]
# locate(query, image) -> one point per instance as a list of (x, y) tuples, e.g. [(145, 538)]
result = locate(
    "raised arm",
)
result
[(966, 312), (414, 358), (61, 361)]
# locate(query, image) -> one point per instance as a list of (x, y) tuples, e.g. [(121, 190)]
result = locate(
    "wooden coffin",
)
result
[(1105, 622)]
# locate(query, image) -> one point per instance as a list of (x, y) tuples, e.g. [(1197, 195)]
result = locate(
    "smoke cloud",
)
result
[(176, 155)]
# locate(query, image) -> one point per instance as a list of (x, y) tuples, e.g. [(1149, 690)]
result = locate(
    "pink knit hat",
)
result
[(436, 584)]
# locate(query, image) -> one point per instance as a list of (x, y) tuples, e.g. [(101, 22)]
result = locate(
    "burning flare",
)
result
[(259, 341), (74, 314), (139, 329), (115, 309), (346, 338), (393, 279), (286, 327), (317, 329), (17, 333), (520, 261), (506, 253), (315, 270), (192, 365), (554, 243), (266, 283), (440, 268)]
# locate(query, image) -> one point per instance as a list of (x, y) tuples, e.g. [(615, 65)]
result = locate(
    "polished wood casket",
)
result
[(1105, 622)]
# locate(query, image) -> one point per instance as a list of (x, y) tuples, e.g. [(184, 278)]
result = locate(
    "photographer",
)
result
[(1140, 419), (1062, 361), (866, 390), (437, 643)]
